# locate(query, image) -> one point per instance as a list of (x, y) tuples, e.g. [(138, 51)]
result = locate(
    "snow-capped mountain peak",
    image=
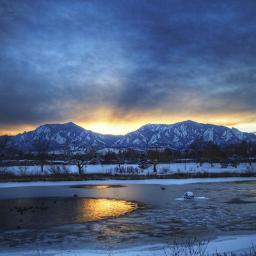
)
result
[(178, 136)]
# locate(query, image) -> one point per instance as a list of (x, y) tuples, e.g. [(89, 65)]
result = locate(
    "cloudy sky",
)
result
[(114, 65)]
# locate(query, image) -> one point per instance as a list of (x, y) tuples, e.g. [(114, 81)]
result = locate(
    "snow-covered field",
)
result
[(161, 168)]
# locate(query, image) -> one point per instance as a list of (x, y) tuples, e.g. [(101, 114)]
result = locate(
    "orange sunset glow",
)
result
[(116, 126)]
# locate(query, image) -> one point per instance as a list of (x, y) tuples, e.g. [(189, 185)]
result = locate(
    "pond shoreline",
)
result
[(236, 243), (101, 176), (226, 215), (155, 181)]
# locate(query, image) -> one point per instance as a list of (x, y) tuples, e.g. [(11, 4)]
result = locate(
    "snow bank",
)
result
[(223, 244), (125, 182)]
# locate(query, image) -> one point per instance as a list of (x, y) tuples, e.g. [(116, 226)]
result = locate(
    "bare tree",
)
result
[(41, 145), (58, 169), (153, 156), (23, 170), (79, 156), (143, 164), (81, 164), (120, 161), (3, 146), (83, 158)]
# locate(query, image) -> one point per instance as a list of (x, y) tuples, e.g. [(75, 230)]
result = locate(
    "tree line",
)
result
[(199, 151)]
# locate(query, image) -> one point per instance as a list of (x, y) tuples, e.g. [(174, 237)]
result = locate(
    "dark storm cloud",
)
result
[(60, 57)]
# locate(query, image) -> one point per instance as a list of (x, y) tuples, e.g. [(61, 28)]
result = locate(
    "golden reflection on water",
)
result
[(95, 209), (98, 186), (101, 186), (46, 212)]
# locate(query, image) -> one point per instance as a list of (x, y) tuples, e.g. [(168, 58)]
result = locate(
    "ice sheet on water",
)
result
[(125, 182), (195, 198)]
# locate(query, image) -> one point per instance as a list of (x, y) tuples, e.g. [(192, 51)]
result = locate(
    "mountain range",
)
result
[(176, 136)]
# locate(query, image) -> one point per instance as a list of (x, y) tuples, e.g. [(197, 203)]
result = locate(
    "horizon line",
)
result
[(140, 126)]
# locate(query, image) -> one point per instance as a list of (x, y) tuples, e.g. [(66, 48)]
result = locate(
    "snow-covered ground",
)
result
[(161, 168), (125, 182), (222, 244)]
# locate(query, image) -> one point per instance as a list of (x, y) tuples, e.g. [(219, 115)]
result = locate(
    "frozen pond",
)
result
[(47, 212), (86, 216)]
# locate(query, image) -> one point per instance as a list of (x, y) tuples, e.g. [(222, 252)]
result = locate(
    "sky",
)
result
[(112, 66)]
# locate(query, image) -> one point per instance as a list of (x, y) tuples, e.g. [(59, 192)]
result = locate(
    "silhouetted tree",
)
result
[(143, 163), (41, 146), (3, 146), (154, 156), (131, 155), (81, 163), (212, 152), (81, 156), (110, 157), (120, 160)]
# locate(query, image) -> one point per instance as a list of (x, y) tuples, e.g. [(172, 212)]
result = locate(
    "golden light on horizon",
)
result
[(120, 125), (14, 130), (120, 128)]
